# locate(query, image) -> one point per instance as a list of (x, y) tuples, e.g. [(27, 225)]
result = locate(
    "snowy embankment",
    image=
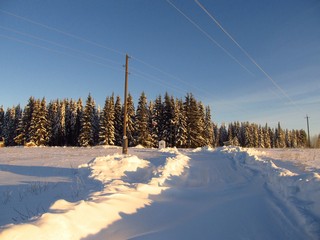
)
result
[(127, 182), (296, 181), (204, 193)]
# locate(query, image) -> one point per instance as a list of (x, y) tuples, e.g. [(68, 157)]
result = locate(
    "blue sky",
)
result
[(66, 49)]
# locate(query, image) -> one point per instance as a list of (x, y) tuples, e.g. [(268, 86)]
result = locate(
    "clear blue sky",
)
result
[(66, 49)]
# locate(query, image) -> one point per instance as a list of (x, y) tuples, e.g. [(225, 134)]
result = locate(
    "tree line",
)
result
[(180, 123)]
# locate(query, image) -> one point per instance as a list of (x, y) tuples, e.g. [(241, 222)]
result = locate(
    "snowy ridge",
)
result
[(300, 191), (127, 181)]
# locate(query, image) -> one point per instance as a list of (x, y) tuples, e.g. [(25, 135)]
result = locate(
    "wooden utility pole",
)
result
[(309, 144), (125, 138)]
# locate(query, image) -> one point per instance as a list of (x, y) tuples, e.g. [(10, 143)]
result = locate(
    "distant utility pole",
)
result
[(307, 117), (125, 138)]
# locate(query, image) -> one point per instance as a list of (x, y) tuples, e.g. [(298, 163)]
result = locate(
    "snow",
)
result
[(203, 193)]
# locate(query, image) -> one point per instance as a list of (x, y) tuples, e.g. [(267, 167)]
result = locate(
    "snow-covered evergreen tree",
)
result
[(1, 122), (261, 143), (152, 125), (195, 122), (130, 121), (62, 122), (107, 120), (208, 127), (10, 125), (279, 137), (223, 135), (167, 121), (39, 134), (180, 124), (287, 139), (54, 122), (157, 118), (71, 119), (118, 122), (266, 137), (301, 138), (86, 137), (143, 135), (293, 138), (23, 130)]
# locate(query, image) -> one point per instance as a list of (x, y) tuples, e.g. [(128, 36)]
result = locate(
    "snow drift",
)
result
[(203, 193), (120, 194)]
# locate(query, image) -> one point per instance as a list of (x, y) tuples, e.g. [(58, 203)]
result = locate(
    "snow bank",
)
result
[(127, 181), (299, 190)]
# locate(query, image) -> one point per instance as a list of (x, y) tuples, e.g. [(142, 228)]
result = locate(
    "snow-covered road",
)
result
[(216, 198), (224, 193)]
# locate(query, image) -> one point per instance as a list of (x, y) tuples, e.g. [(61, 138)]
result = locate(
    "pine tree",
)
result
[(118, 122), (54, 123), (167, 121), (266, 135), (86, 137), (201, 137), (261, 143), (157, 118), (71, 119), (1, 122), (130, 121), (279, 137), (143, 135), (208, 127), (23, 130), (10, 124), (302, 138), (107, 120), (62, 123), (78, 121), (180, 125), (223, 135), (152, 125), (287, 139), (195, 122), (39, 124)]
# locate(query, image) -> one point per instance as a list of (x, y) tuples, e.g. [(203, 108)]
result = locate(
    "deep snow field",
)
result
[(203, 193)]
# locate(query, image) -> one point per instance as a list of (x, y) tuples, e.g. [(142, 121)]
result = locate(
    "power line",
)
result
[(62, 32), (58, 44), (247, 54), (57, 51), (108, 48), (209, 37)]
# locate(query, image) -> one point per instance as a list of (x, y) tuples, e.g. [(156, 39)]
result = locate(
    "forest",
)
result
[(184, 123)]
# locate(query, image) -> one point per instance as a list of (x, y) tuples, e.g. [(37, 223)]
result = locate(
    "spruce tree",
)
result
[(54, 122), (86, 137), (195, 122), (10, 125), (78, 121), (1, 122), (39, 124), (279, 137), (130, 121), (157, 118), (118, 122), (208, 127), (107, 129), (143, 135), (167, 121), (152, 125), (180, 124), (223, 135), (23, 131)]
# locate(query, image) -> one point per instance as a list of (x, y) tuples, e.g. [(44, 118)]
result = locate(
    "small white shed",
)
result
[(162, 144)]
